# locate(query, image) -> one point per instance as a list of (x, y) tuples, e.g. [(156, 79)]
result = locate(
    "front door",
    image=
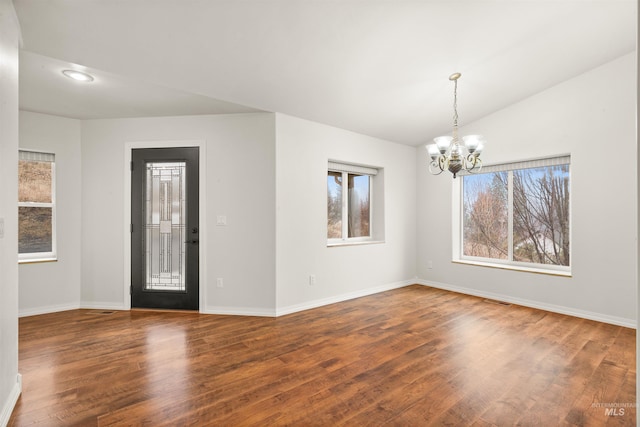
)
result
[(164, 228)]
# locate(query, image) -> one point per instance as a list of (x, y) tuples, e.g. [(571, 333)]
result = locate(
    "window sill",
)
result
[(37, 260), (356, 243), (536, 270)]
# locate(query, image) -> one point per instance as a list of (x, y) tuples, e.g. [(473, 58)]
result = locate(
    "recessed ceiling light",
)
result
[(78, 75)]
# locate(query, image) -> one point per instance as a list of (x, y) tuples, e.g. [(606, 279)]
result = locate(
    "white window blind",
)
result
[(349, 168), (525, 164), (35, 156)]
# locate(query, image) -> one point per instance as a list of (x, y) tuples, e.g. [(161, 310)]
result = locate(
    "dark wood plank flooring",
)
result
[(410, 357)]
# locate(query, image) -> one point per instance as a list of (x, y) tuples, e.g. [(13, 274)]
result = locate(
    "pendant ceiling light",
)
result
[(447, 153)]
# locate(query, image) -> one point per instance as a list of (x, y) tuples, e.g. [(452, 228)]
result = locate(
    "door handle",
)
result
[(192, 241)]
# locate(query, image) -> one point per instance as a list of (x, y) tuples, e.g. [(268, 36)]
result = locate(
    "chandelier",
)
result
[(447, 153)]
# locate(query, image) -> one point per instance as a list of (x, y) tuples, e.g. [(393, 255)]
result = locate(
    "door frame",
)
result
[(202, 247)]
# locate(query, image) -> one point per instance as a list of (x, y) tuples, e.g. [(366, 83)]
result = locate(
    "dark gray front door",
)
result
[(164, 228)]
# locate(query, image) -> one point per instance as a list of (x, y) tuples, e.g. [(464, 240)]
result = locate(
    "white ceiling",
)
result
[(44, 89), (377, 67)]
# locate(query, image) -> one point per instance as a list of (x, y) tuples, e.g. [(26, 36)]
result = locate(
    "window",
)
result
[(36, 206), (518, 214), (349, 213)]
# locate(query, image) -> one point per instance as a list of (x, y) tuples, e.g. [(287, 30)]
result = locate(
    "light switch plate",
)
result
[(1, 228)]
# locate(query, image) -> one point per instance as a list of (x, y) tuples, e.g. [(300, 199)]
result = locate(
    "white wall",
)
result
[(637, 218), (592, 117), (302, 151), (55, 286), (9, 379), (240, 183)]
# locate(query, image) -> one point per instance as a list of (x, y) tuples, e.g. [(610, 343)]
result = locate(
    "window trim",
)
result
[(353, 169), (458, 223), (37, 257)]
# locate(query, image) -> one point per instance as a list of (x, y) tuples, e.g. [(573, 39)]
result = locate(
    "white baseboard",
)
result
[(11, 401), (239, 311), (101, 306), (46, 309), (267, 312), (343, 297), (66, 307), (599, 317)]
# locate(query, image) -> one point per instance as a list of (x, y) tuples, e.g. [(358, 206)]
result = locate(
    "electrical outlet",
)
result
[(1, 228), (220, 282), (312, 279)]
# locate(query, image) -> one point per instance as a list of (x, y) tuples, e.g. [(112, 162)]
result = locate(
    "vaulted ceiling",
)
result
[(377, 67)]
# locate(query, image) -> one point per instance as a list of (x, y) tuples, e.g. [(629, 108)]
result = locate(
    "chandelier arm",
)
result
[(443, 163), (472, 162), (434, 167), (478, 162)]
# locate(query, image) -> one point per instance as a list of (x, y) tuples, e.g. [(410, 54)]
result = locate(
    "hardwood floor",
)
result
[(409, 357)]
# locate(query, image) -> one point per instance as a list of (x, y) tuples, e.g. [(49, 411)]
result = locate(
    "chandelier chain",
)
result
[(455, 104)]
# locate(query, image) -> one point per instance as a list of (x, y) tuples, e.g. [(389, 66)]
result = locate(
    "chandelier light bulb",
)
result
[(443, 143), (433, 151), (472, 142)]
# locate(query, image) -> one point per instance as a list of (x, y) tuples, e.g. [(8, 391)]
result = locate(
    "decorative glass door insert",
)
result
[(165, 227)]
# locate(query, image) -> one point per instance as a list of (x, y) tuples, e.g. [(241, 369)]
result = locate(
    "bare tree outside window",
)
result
[(334, 205), (540, 230), (541, 215), (358, 205), (348, 215), (485, 218), (35, 207)]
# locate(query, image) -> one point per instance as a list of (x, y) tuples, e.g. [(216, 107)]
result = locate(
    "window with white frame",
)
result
[(518, 214), (349, 202), (36, 206)]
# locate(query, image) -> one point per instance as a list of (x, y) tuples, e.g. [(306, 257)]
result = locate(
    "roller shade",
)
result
[(35, 156), (355, 169), (525, 164)]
